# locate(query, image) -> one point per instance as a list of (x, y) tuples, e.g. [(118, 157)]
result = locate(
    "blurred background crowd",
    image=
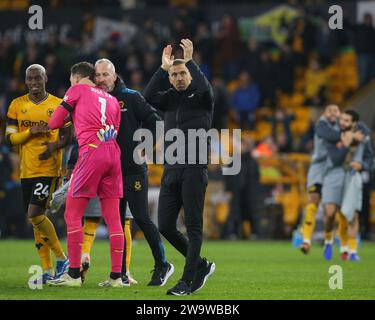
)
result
[(273, 67)]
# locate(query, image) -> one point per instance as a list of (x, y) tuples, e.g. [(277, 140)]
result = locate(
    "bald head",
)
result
[(105, 75), (106, 63)]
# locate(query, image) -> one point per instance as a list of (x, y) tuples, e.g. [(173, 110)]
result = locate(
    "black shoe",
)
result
[(180, 289), (205, 270), (125, 280), (161, 275)]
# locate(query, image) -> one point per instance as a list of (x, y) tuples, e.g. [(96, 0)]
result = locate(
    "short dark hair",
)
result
[(84, 69), (178, 62), (353, 114)]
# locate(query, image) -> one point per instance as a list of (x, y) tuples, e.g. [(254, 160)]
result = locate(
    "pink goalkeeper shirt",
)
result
[(91, 109)]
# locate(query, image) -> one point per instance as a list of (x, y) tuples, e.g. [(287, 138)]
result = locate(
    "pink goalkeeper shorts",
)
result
[(97, 172)]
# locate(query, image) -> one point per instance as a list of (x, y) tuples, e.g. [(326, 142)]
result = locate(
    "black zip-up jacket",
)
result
[(135, 113), (189, 109)]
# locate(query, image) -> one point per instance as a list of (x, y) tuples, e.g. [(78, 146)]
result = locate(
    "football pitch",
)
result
[(244, 270)]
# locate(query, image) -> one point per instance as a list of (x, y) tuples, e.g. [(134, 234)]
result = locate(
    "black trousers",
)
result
[(183, 187), (136, 194)]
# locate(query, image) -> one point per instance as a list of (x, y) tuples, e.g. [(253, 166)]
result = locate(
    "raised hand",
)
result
[(167, 58), (188, 48)]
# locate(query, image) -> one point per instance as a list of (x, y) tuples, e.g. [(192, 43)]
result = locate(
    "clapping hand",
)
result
[(167, 58), (188, 48)]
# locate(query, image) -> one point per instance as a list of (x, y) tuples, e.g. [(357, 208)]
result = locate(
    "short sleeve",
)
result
[(12, 111), (71, 97)]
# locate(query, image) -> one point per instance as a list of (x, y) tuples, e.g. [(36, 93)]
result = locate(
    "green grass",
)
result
[(244, 270)]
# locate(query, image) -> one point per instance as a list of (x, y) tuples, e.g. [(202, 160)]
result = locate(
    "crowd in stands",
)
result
[(266, 89)]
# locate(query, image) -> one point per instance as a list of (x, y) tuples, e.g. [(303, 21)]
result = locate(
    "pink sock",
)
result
[(111, 215), (75, 208)]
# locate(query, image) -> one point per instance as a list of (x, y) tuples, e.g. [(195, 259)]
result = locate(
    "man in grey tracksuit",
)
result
[(353, 188), (344, 159), (326, 130)]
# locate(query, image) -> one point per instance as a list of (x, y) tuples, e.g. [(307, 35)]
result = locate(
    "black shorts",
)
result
[(315, 188), (38, 191), (135, 188)]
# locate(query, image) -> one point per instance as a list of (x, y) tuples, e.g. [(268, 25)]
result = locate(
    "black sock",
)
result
[(161, 266), (123, 272), (74, 273), (115, 275)]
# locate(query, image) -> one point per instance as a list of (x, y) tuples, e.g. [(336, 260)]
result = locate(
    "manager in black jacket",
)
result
[(135, 113), (188, 104)]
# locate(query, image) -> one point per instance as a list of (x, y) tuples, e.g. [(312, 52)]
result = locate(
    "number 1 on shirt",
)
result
[(103, 105)]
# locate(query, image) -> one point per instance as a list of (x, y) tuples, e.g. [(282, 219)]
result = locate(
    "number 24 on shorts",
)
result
[(41, 190)]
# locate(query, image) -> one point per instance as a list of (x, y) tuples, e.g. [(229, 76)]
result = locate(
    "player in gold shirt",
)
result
[(41, 156)]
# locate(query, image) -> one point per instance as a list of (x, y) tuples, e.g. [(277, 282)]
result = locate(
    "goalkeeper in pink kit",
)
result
[(96, 118)]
